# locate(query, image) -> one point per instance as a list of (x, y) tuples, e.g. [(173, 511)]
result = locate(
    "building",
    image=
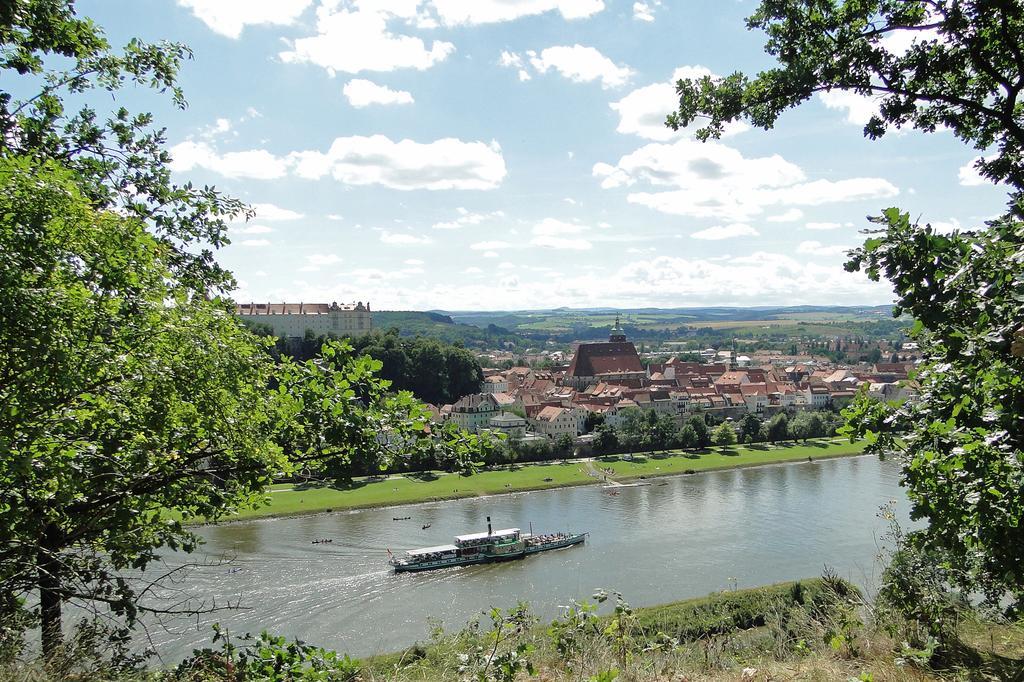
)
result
[(559, 421), (495, 383), (475, 411), (293, 320), (615, 361), (511, 424)]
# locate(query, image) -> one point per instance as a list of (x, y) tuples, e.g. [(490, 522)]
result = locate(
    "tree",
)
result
[(686, 437), (776, 428), (750, 428), (131, 400), (635, 433), (700, 429), (118, 158), (964, 71), (116, 406), (564, 445), (592, 421), (806, 425), (605, 439), (119, 407), (961, 441), (663, 432), (724, 435)]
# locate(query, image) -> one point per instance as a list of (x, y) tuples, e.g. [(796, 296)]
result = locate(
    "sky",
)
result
[(511, 155)]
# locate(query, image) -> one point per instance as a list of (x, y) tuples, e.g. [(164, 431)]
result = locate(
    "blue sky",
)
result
[(509, 154)]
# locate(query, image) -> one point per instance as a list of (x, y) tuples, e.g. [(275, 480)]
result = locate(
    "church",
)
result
[(615, 362)]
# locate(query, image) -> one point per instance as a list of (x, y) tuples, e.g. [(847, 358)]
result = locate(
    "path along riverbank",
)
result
[(399, 489)]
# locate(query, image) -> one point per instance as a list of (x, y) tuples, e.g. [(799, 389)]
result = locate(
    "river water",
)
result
[(675, 538)]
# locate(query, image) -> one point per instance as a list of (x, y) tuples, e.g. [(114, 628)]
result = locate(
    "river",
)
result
[(678, 537)]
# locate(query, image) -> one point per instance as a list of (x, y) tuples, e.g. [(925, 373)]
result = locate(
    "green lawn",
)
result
[(405, 489), (676, 462)]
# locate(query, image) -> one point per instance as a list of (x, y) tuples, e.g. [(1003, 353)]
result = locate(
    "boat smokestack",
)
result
[(489, 531)]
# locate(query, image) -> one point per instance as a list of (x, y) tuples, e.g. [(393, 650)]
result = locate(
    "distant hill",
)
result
[(527, 327), (439, 325)]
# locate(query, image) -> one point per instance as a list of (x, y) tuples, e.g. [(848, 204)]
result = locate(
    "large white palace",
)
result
[(290, 320)]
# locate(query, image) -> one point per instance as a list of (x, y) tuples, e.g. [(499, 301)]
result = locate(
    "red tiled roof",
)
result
[(550, 414), (592, 359)]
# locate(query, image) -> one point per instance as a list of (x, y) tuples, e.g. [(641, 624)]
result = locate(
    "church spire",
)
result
[(617, 334)]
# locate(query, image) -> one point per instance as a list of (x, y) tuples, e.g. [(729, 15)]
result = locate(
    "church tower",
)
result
[(617, 335)]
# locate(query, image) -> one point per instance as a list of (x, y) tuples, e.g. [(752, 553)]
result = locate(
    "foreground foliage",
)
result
[(954, 65), (817, 629), (131, 400)]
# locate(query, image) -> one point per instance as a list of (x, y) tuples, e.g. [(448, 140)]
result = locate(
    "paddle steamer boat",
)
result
[(483, 547)]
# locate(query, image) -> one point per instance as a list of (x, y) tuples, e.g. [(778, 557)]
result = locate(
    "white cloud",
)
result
[(403, 238), (643, 111), (730, 231), (506, 266), (274, 213), (511, 60), (789, 216), (490, 254), (412, 261), (900, 42), (551, 226), (221, 126), (757, 279), (551, 233), (644, 11), (453, 12), (257, 164), (359, 39), (336, 217), (362, 93), (580, 64), (489, 246), (443, 164), (251, 229), (712, 180), (816, 248), (859, 108), (822, 226), (467, 218), (323, 259), (969, 175), (256, 242), (946, 226), (229, 17), (561, 243)]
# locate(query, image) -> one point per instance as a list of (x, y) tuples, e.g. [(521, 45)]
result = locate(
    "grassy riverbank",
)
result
[(428, 486), (814, 629)]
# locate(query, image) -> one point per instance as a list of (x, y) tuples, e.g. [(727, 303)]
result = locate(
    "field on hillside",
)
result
[(708, 325)]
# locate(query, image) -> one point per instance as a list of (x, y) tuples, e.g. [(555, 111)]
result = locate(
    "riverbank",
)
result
[(811, 629), (394, 490)]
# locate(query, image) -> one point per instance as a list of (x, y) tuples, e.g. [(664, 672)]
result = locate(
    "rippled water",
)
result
[(675, 538)]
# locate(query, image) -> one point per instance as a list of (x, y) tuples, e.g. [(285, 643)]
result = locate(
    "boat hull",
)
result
[(416, 567)]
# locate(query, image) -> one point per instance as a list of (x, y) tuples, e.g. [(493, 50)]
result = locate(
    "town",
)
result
[(577, 396)]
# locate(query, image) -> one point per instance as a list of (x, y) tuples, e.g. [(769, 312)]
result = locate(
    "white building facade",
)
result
[(293, 320)]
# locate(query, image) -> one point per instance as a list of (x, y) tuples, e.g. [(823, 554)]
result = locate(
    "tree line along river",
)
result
[(668, 539)]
